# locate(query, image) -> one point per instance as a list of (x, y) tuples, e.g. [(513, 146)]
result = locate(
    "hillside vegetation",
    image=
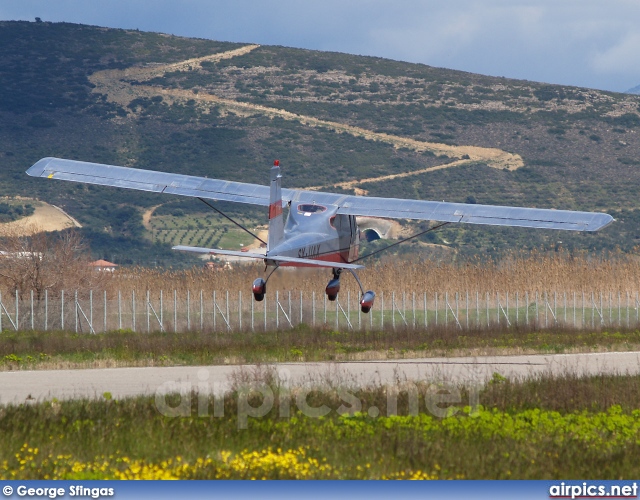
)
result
[(336, 122)]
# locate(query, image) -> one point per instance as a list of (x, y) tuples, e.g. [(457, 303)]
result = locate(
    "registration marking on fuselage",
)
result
[(309, 252)]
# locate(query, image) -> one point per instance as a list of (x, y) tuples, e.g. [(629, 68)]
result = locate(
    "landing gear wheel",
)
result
[(333, 288), (366, 303), (259, 288)]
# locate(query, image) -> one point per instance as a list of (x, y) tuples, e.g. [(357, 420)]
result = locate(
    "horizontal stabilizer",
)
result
[(278, 259), (217, 251)]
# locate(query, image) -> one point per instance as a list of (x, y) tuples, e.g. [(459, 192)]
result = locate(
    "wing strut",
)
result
[(230, 219), (398, 242)]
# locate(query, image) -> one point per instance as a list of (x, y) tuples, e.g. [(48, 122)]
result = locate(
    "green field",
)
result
[(543, 428), (200, 230)]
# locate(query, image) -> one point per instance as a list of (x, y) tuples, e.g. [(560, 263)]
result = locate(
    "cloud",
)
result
[(621, 58)]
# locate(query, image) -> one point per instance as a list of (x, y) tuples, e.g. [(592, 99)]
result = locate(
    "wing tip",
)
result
[(38, 168)]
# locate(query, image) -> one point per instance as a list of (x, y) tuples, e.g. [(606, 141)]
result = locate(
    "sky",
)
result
[(586, 43)]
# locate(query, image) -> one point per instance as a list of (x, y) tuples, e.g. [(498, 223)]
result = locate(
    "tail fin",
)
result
[(276, 222)]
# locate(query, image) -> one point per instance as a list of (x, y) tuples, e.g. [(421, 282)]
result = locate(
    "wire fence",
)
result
[(96, 311)]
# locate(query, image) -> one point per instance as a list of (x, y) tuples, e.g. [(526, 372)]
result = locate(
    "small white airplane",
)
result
[(321, 228)]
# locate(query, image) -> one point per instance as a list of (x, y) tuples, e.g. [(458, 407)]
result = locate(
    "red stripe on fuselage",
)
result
[(275, 209)]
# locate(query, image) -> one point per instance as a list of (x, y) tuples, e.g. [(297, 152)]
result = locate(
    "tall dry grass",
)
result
[(515, 272)]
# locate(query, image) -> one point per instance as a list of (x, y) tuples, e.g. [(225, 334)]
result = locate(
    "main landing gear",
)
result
[(333, 288), (259, 288)]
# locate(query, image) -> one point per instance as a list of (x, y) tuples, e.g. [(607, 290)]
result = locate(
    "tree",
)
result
[(31, 259)]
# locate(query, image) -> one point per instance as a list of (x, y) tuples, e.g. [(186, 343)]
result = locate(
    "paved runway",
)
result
[(20, 386)]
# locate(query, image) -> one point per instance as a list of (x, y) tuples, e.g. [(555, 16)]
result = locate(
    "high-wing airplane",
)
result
[(321, 228)]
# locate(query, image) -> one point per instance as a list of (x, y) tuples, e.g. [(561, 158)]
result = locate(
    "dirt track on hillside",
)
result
[(115, 85)]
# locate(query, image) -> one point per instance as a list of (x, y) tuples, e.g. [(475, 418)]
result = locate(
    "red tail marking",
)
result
[(275, 209)]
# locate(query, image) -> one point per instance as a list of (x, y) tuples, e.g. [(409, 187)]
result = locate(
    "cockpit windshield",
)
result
[(311, 209)]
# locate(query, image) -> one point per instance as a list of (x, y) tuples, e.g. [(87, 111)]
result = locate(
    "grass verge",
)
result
[(50, 350)]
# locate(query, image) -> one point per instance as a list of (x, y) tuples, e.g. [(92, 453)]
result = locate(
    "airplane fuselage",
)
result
[(318, 232)]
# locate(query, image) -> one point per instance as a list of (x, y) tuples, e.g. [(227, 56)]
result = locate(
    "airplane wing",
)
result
[(280, 259), (255, 194), (150, 180)]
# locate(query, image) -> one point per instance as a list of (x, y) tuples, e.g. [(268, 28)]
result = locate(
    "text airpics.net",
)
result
[(586, 490), (441, 399)]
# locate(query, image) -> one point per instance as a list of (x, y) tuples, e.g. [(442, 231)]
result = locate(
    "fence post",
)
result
[(201, 311), (382, 310), (507, 299), (313, 308), (46, 310), (436, 306), (277, 310), (466, 307), (119, 310), (17, 316), (175, 311), (76, 309), (393, 310), (105, 312), (487, 305), (325, 308), (189, 310), (32, 319), (240, 310), (148, 318), (627, 308), (300, 306), (426, 321), (214, 310), (619, 311), (133, 309)]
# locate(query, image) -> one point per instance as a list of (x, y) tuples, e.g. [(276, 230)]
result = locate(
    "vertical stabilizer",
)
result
[(276, 222)]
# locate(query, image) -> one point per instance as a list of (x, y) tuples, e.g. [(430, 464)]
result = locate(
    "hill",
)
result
[(634, 90), (335, 121)]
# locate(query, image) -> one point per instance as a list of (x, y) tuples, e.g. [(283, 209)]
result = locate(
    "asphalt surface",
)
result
[(26, 386)]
